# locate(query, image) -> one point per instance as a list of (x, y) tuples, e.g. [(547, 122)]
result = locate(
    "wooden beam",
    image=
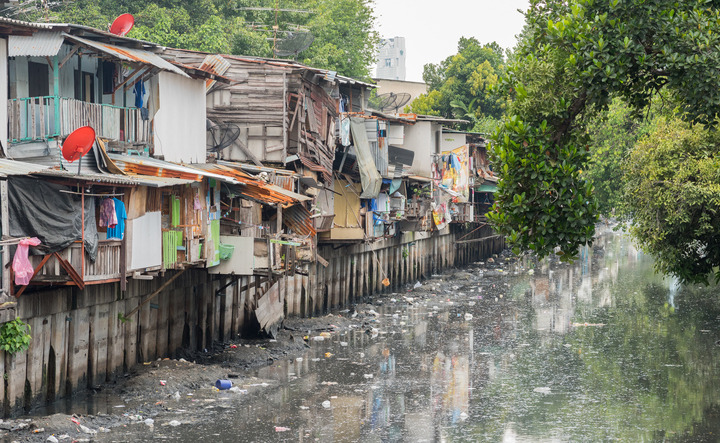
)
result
[(37, 269), (132, 74), (70, 54), (154, 294)]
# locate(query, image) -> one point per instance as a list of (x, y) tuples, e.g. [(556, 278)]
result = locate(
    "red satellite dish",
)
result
[(78, 144), (122, 25)]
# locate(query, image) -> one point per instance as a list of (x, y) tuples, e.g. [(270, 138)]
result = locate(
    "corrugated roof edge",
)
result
[(68, 27), (281, 63), (197, 72)]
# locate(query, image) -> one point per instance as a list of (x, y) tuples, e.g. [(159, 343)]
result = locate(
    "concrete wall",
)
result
[(181, 105), (3, 92), (79, 341)]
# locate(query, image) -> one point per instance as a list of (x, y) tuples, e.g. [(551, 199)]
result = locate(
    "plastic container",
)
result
[(226, 251), (223, 385)]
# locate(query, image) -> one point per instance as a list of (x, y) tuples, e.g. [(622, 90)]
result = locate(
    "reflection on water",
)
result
[(603, 349)]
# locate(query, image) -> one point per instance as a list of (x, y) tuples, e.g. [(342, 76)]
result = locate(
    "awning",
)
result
[(486, 188), (129, 54)]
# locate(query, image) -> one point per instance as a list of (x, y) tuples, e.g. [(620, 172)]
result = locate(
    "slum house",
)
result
[(166, 96), (481, 180), (185, 287), (128, 94)]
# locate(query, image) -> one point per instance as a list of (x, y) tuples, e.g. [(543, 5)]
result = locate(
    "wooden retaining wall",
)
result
[(80, 339)]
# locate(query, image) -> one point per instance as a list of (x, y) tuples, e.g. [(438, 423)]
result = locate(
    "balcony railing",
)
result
[(33, 118), (107, 266)]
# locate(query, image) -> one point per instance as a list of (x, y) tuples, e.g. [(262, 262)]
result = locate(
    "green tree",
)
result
[(572, 59), (673, 189), (611, 136), (461, 86), (345, 39)]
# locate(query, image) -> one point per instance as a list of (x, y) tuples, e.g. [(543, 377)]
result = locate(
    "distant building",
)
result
[(391, 59)]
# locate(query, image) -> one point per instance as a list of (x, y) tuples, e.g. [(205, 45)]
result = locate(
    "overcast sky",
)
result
[(432, 28)]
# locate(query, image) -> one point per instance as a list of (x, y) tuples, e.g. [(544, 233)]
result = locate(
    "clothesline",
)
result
[(12, 241), (91, 195)]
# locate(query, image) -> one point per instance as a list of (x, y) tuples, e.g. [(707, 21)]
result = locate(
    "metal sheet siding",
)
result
[(40, 44)]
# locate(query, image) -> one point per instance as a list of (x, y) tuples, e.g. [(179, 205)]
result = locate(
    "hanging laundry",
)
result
[(345, 132), (108, 217), (21, 265), (139, 91), (118, 232), (196, 201)]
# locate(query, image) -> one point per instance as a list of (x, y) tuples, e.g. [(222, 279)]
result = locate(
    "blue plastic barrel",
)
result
[(223, 384)]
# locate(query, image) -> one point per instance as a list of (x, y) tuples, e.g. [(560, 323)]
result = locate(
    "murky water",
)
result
[(600, 350)]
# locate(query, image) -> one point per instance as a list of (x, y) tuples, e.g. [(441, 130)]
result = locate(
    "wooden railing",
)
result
[(106, 267), (33, 118)]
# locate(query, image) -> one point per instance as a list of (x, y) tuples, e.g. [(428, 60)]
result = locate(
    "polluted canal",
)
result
[(505, 350)]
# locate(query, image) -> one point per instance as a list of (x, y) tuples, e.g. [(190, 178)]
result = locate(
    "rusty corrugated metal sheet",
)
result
[(217, 65), (297, 218), (161, 173), (253, 188), (129, 54), (285, 182)]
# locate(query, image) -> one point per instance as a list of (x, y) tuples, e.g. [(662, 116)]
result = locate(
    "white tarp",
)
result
[(369, 175)]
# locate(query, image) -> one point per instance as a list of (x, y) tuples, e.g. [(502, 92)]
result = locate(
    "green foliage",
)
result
[(545, 202), (572, 59), (345, 39), (673, 191), (462, 85), (611, 136), (15, 336)]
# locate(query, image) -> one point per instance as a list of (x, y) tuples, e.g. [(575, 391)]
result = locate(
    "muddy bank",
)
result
[(162, 396)]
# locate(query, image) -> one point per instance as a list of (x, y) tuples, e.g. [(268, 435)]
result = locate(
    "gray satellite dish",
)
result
[(293, 44), (390, 101)]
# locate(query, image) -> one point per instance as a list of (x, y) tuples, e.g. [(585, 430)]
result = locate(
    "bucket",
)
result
[(223, 384)]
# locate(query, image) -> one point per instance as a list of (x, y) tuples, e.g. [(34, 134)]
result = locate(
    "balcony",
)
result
[(34, 118), (66, 267)]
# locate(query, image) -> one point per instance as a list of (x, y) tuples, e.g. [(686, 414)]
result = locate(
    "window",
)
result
[(38, 79), (388, 62)]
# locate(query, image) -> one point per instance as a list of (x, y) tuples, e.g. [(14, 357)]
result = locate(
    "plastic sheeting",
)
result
[(369, 175), (38, 209)]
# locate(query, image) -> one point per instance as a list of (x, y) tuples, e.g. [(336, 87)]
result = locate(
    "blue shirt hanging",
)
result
[(139, 91), (118, 232)]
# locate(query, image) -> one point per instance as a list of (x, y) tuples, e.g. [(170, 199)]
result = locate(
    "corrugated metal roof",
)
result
[(297, 218), (256, 169), (111, 179), (217, 65), (14, 167), (159, 168), (12, 21), (253, 188), (129, 54), (40, 44), (160, 182)]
